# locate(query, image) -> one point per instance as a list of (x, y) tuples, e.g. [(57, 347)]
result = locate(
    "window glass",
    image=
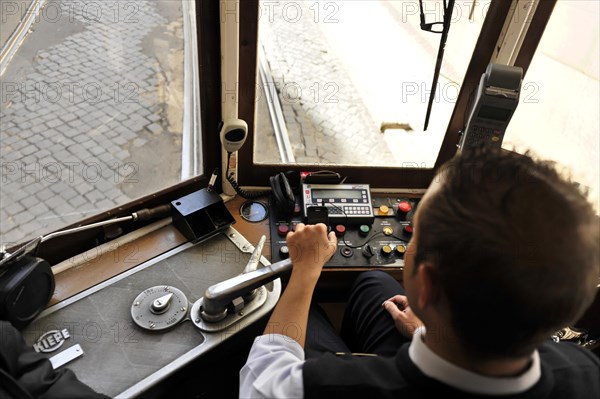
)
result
[(92, 108), (348, 82), (557, 116)]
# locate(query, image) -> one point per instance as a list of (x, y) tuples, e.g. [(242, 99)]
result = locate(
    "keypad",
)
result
[(357, 210)]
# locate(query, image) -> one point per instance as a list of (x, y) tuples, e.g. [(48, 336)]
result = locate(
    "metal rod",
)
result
[(438, 63), (86, 227)]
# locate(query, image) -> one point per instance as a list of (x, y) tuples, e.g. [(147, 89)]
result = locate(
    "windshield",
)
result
[(353, 80)]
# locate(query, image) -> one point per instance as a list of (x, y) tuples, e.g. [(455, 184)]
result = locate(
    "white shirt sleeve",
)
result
[(273, 369)]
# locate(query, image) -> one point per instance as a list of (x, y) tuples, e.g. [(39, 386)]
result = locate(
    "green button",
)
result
[(364, 230)]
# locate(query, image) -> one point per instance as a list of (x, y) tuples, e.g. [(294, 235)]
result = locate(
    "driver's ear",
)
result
[(429, 284)]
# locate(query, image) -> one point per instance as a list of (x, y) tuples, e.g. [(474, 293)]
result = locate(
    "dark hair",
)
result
[(516, 247)]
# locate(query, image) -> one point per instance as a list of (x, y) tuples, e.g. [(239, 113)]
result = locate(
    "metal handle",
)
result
[(256, 255), (218, 296)]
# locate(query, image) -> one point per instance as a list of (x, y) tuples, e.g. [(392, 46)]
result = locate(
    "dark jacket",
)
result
[(568, 371), (24, 373)]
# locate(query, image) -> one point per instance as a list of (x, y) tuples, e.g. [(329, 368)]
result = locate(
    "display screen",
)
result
[(333, 194), (498, 114)]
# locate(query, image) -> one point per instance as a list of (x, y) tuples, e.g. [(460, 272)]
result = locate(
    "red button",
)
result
[(340, 230), (404, 207), (408, 229), (283, 229)]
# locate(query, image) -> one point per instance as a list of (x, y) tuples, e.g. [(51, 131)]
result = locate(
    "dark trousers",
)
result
[(366, 327)]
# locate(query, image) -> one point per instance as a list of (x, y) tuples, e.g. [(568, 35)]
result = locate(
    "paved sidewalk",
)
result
[(75, 119)]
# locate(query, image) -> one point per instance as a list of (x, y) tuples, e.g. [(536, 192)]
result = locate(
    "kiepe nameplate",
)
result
[(348, 204)]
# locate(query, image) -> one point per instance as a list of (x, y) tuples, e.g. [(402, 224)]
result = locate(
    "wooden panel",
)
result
[(109, 264)]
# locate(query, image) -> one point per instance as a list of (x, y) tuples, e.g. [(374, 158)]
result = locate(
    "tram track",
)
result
[(18, 36)]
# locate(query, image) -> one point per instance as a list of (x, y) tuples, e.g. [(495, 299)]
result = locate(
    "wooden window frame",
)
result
[(257, 175)]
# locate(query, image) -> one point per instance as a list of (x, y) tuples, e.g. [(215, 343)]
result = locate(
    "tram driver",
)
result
[(504, 253)]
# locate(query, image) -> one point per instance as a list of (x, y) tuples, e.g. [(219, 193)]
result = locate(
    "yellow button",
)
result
[(383, 210), (400, 249), (388, 231)]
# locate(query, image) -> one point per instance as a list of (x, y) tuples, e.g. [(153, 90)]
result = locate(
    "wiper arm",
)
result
[(448, 9)]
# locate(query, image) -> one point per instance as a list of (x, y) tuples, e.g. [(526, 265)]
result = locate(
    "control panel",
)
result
[(380, 240), (348, 204)]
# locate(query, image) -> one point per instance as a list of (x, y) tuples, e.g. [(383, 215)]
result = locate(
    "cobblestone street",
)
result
[(326, 119), (76, 117)]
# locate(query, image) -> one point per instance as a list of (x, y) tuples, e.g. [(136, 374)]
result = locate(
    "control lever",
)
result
[(253, 265), (255, 258), (218, 296)]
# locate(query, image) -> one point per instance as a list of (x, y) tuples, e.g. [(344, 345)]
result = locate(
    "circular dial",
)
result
[(254, 211), (159, 308)]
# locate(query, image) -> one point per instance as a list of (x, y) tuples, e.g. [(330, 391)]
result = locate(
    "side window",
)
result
[(92, 108), (558, 114)]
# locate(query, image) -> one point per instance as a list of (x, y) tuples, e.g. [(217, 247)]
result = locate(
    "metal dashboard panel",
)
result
[(118, 353)]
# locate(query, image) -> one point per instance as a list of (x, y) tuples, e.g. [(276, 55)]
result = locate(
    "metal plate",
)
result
[(123, 360), (66, 356), (256, 303), (145, 315), (118, 353)]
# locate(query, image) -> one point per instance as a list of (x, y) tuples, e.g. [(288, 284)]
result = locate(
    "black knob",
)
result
[(346, 252), (284, 251), (367, 251)]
